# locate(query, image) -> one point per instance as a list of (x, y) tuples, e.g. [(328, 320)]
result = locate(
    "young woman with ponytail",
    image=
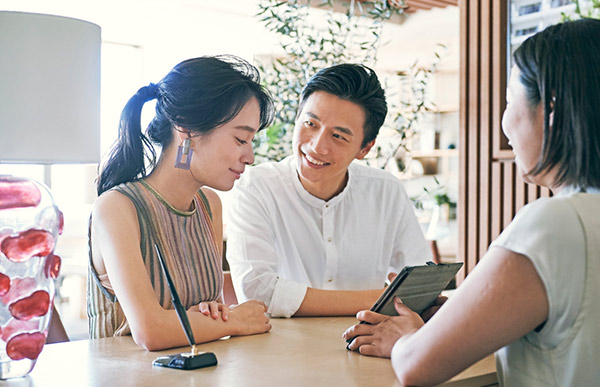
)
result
[(208, 110)]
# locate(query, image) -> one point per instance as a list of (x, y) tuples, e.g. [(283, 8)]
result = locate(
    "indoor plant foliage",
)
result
[(585, 8), (313, 36)]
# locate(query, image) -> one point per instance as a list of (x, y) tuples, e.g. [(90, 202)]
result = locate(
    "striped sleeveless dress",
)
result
[(187, 243)]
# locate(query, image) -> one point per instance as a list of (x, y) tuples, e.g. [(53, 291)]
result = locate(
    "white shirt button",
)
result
[(328, 239)]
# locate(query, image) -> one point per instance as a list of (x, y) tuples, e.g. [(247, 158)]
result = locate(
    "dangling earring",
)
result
[(184, 155)]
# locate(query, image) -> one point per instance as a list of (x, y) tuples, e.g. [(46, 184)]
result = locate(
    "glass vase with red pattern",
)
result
[(30, 224)]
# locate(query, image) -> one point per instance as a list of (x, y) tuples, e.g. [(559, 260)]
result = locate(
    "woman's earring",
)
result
[(184, 155)]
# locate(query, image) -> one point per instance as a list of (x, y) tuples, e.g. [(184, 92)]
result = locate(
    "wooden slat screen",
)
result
[(491, 191)]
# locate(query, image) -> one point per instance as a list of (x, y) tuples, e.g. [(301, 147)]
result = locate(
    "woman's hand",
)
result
[(378, 336), (213, 309), (250, 318)]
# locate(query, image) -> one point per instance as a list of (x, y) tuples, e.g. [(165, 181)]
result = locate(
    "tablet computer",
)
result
[(417, 286)]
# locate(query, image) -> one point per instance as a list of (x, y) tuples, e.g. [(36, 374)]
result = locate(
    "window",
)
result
[(526, 31), (560, 3), (529, 9)]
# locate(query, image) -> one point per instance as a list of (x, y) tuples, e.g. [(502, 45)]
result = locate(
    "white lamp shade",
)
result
[(49, 89)]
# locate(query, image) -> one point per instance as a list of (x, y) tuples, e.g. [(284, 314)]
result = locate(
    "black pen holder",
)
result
[(187, 361)]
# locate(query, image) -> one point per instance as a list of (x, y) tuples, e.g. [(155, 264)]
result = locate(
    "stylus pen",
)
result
[(181, 312)]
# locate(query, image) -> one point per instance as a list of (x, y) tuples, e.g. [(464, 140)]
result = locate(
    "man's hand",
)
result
[(378, 336), (392, 276)]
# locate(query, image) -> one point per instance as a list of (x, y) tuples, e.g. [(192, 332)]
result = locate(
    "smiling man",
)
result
[(316, 234)]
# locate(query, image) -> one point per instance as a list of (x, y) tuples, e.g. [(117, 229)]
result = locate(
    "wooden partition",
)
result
[(491, 192)]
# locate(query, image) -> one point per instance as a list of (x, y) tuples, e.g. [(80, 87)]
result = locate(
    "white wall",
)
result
[(169, 30)]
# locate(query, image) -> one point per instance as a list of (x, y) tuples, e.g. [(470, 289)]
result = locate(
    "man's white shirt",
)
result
[(281, 239)]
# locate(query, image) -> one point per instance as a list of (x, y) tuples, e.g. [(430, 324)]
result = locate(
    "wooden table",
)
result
[(297, 352)]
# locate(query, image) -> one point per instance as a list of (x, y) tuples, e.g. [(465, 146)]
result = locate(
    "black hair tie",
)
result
[(148, 93)]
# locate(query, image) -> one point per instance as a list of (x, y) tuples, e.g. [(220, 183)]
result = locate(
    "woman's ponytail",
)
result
[(126, 160)]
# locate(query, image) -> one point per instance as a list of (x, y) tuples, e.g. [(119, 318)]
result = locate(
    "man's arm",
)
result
[(253, 260), (252, 256), (410, 246), (318, 302)]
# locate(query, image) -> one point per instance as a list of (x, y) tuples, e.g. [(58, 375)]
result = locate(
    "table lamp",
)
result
[(49, 114), (49, 89)]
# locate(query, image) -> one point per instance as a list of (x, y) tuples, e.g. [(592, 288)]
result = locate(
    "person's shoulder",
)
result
[(364, 176), (557, 209), (548, 209), (266, 169), (268, 173), (112, 204), (114, 196), (549, 218), (366, 172)]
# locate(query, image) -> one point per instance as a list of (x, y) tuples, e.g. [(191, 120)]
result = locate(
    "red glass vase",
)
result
[(30, 224)]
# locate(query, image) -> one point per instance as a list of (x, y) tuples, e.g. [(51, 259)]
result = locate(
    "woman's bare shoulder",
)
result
[(112, 205)]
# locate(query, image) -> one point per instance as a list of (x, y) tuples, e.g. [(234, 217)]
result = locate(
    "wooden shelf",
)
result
[(434, 153), (445, 109)]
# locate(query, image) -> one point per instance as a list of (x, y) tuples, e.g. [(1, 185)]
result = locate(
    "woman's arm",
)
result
[(116, 231), (500, 301)]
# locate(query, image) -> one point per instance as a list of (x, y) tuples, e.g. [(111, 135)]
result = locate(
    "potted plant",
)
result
[(316, 36)]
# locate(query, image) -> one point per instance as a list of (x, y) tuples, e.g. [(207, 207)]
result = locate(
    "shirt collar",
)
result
[(572, 189), (307, 196)]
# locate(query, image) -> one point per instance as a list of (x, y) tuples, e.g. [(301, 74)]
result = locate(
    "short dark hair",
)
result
[(559, 69), (198, 94), (355, 83)]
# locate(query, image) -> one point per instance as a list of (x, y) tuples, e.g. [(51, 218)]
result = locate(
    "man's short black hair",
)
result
[(355, 83)]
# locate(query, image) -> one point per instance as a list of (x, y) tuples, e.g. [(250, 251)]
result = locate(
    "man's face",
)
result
[(328, 135)]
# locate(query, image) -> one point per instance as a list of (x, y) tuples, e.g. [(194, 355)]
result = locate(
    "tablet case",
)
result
[(417, 286)]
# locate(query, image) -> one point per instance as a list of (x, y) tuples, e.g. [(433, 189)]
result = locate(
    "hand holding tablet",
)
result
[(417, 286)]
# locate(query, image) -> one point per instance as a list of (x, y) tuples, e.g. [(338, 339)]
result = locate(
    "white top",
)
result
[(281, 239), (551, 232)]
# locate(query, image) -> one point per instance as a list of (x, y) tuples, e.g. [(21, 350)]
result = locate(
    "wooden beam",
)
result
[(342, 6), (425, 3), (448, 2), (417, 6)]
